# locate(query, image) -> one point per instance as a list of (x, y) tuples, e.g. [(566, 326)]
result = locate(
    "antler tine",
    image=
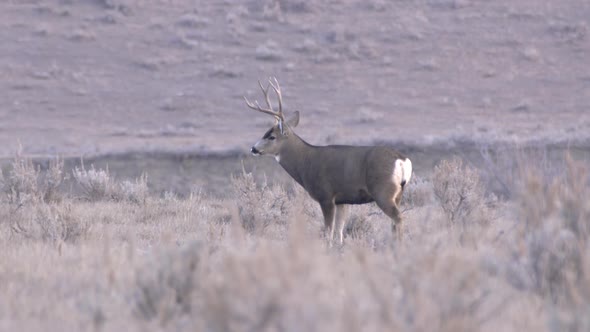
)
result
[(265, 93), (275, 86), (256, 106)]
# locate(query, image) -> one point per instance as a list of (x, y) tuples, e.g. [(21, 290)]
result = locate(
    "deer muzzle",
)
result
[(255, 151)]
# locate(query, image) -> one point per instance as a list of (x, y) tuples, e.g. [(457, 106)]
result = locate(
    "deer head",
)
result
[(276, 137)]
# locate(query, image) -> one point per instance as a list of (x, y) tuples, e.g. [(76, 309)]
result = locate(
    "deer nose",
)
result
[(254, 150)]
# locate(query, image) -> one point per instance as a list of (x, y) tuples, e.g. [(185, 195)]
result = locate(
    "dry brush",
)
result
[(114, 257)]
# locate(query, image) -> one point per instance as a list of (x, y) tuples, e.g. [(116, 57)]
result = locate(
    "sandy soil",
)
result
[(111, 76)]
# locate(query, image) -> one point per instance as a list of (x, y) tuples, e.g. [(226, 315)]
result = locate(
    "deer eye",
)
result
[(271, 138)]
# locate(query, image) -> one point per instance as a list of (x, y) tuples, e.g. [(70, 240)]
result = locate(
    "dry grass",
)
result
[(258, 263)]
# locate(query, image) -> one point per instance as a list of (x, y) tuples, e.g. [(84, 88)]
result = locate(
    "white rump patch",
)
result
[(402, 171), (278, 158)]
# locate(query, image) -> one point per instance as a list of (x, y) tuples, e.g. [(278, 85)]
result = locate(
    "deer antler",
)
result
[(277, 89)]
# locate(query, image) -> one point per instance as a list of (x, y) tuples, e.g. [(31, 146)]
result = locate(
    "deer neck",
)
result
[(294, 156)]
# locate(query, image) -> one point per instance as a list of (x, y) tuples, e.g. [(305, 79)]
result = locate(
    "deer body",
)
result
[(336, 175), (344, 174)]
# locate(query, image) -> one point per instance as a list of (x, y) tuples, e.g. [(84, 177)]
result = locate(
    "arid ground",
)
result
[(171, 225), (106, 76)]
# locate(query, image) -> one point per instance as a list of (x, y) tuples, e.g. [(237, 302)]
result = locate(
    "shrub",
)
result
[(52, 180), (459, 191), (24, 183), (417, 193), (551, 244), (504, 167), (165, 288), (134, 191), (98, 185), (259, 206), (556, 221), (48, 222), (21, 184)]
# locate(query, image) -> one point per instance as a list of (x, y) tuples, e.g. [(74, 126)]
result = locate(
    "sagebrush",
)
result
[(256, 260)]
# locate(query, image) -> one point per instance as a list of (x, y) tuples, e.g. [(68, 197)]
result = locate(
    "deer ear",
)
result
[(293, 120)]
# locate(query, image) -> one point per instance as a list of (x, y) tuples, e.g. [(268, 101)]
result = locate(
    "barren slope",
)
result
[(96, 77)]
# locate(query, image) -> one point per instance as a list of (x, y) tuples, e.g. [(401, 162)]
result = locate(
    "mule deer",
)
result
[(334, 175)]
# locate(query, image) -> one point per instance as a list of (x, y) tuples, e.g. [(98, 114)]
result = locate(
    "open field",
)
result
[(170, 225), (113, 257)]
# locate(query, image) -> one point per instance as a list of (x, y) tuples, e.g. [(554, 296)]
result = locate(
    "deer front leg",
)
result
[(328, 210), (341, 213)]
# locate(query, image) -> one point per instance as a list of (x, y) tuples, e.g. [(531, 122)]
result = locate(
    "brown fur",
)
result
[(335, 175)]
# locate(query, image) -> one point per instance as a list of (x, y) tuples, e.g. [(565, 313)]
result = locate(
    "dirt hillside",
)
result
[(104, 76)]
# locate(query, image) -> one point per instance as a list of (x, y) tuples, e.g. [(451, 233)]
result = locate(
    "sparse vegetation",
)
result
[(459, 191), (24, 183), (259, 263), (98, 184), (260, 205), (54, 223)]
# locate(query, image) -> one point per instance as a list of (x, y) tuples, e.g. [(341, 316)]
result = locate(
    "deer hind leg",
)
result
[(341, 213), (398, 198), (329, 212), (388, 202)]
